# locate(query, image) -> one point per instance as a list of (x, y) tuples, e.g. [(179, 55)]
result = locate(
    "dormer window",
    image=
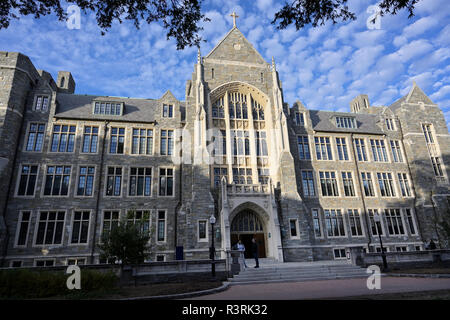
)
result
[(299, 119), (390, 124), (346, 122), (108, 108), (41, 103), (167, 111)]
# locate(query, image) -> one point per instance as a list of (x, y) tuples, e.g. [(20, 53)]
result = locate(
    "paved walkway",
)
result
[(325, 289)]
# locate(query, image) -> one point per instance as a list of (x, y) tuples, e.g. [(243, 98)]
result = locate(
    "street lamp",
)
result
[(377, 219), (212, 250)]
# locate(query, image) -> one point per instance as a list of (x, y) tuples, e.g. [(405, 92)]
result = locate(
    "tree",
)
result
[(181, 18), (127, 242), (317, 12)]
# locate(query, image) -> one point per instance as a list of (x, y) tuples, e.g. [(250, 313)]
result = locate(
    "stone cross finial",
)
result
[(234, 15)]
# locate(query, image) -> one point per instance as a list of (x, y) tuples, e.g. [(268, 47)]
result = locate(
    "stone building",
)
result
[(307, 184)]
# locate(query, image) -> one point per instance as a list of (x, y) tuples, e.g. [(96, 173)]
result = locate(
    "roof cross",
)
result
[(234, 15)]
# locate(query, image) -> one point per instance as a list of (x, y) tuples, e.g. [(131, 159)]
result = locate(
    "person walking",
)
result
[(255, 252), (241, 248)]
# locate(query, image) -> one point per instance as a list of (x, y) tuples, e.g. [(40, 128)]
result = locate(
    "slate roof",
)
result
[(324, 121), (74, 106)]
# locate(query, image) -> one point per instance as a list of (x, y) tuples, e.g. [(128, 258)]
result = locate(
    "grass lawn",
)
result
[(158, 289), (423, 295)]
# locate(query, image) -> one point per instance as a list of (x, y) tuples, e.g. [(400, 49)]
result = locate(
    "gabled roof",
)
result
[(74, 106), (324, 121), (415, 95), (235, 47)]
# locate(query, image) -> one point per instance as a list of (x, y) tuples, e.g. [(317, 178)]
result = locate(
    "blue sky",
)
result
[(323, 67)]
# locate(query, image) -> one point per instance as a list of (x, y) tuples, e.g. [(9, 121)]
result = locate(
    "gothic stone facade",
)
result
[(307, 184)]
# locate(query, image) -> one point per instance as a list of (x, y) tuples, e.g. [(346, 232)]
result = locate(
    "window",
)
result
[(378, 150), (241, 143), (401, 248), (349, 190), (242, 176), (308, 183), (220, 144), (44, 263), (390, 124), (22, 228), (50, 227), (41, 103), (63, 138), (166, 147), (339, 253), (166, 182), (263, 175), (140, 182), (342, 148), (117, 140), (411, 221), (334, 222), (427, 130), (219, 173), (261, 144), (437, 167), (404, 184), (160, 258), (27, 182), (355, 222), (142, 141), (257, 110), (360, 149), (386, 184), (396, 151), (367, 184), (80, 227), (161, 232), (90, 139), (328, 184), (35, 138), (57, 181), (114, 181), (140, 216), (85, 185), (167, 110), (323, 148), (16, 263), (237, 105), (303, 148), (202, 230), (218, 110), (345, 122), (375, 226), (212, 73), (316, 223), (394, 222), (109, 108), (293, 228), (76, 261), (299, 119), (110, 220)]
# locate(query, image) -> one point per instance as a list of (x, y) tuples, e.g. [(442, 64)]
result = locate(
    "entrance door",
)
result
[(244, 227)]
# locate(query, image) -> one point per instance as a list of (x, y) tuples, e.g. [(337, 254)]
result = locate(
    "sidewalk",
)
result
[(325, 289)]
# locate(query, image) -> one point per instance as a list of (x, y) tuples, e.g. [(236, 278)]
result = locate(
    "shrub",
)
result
[(30, 284)]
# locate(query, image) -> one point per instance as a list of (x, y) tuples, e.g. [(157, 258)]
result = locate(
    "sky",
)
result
[(323, 67)]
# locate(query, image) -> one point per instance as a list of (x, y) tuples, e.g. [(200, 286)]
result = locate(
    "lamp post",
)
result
[(212, 250), (377, 219)]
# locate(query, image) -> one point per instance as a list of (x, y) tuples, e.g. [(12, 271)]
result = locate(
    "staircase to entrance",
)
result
[(271, 270)]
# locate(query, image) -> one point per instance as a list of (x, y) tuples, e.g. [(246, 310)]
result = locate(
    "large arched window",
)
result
[(246, 221)]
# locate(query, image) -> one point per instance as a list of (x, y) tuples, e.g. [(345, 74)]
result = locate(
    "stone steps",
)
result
[(289, 272)]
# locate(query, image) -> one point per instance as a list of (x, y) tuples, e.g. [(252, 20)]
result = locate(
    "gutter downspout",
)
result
[(99, 183), (362, 193)]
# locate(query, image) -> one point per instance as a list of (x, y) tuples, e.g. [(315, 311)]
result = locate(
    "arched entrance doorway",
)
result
[(246, 225)]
